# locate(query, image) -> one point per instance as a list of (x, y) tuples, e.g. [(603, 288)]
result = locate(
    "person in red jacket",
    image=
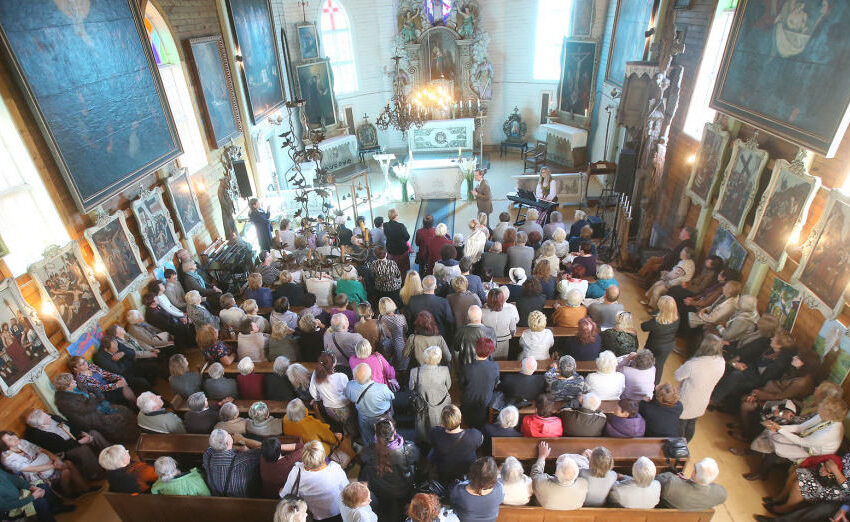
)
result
[(250, 384), (544, 423)]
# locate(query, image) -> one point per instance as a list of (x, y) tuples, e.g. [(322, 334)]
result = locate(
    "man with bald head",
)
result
[(372, 400), (468, 334), (565, 490), (605, 313), (524, 385)]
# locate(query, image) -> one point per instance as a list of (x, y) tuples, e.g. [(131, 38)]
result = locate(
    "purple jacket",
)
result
[(625, 427)]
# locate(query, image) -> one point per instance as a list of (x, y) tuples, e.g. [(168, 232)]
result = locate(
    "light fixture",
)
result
[(691, 159), (200, 186), (99, 267), (48, 308), (400, 113)]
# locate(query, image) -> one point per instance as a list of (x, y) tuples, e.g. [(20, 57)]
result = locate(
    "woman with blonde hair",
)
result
[(743, 322), (282, 343), (366, 324), (600, 476), (251, 309), (412, 286), (604, 279), (198, 315), (662, 332), (697, 378), (547, 252), (213, 349), (320, 484), (256, 291), (622, 339), (537, 340), (568, 316), (392, 328), (291, 509), (182, 381), (453, 448)]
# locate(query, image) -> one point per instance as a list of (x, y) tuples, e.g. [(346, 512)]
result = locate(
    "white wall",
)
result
[(512, 27)]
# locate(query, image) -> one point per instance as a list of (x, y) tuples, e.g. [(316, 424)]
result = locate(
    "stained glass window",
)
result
[(335, 28), (438, 11), (553, 23), (156, 42)]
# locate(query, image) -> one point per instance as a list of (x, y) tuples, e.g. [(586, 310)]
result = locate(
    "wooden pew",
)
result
[(557, 331), (168, 508), (276, 408), (625, 451), (538, 514), (265, 367), (607, 407), (150, 447), (542, 366)]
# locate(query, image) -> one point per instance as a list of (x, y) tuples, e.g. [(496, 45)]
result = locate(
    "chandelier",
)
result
[(400, 113), (435, 98)]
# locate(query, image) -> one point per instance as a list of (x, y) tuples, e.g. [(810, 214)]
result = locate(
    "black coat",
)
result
[(82, 412), (397, 238), (439, 308), (51, 441), (520, 386)]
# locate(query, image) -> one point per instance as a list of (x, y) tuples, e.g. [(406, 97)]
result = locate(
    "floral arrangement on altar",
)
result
[(467, 167)]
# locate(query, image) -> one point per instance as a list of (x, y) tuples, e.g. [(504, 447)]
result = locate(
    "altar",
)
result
[(565, 145), (435, 178), (339, 157), (443, 136)]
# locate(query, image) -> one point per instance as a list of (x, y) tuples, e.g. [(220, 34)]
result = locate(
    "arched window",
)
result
[(167, 58), (553, 23), (24, 197), (336, 40)]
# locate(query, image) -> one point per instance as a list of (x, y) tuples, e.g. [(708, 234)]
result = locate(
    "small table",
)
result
[(503, 148), (369, 150)]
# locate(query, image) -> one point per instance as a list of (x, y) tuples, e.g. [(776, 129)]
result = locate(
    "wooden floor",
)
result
[(711, 440)]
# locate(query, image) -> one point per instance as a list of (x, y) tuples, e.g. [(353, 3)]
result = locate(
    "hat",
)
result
[(517, 275)]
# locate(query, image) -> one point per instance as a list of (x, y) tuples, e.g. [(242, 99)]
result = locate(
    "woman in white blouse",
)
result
[(37, 464), (547, 190), (517, 485), (681, 273), (502, 318), (537, 340), (328, 386), (318, 483), (607, 383)]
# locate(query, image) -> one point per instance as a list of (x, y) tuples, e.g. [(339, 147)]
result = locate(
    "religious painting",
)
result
[(441, 58), (184, 202), (26, 350), (115, 247), (308, 41), (155, 226), (833, 347), (106, 125), (729, 249), (86, 344), (824, 270), (215, 88), (785, 70), (438, 11), (255, 40), (782, 212), (581, 19), (578, 69), (708, 162), (740, 184), (367, 136), (784, 303), (628, 41), (315, 80), (65, 281)]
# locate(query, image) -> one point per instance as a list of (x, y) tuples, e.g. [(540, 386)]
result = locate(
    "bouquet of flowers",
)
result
[(467, 167), (402, 173)]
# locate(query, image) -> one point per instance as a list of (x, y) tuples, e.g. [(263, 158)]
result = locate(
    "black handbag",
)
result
[(675, 450)]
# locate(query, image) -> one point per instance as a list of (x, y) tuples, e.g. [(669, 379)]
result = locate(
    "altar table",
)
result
[(442, 136), (565, 145), (435, 178)]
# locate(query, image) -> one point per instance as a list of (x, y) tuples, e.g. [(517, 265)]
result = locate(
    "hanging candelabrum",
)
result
[(400, 113)]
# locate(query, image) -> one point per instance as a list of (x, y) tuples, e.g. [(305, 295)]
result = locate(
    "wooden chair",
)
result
[(535, 157), (601, 168)]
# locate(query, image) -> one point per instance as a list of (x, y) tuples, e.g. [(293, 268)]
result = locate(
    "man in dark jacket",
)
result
[(182, 331), (467, 336), (201, 418), (525, 385), (438, 306), (585, 421), (113, 358), (57, 436)]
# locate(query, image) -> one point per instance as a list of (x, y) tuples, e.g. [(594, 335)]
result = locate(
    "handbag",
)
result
[(676, 449), (418, 401)]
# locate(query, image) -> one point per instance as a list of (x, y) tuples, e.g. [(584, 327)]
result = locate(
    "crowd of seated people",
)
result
[(404, 382)]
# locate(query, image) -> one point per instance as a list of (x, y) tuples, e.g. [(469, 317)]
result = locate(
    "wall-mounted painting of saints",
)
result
[(255, 39), (709, 161), (26, 350), (630, 23), (115, 247), (782, 212), (315, 80), (185, 202), (215, 85), (729, 249), (156, 226), (824, 270), (308, 40), (740, 184), (89, 76), (785, 70), (441, 54), (66, 281), (578, 70)]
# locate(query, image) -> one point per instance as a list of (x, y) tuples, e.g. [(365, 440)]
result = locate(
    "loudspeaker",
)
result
[(349, 119), (544, 107), (598, 226), (242, 180), (624, 180)]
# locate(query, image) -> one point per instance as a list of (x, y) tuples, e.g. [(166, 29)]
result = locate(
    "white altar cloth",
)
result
[(561, 140), (442, 135), (435, 178)]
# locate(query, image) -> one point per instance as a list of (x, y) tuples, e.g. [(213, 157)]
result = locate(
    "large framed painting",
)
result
[(155, 225), (833, 346), (315, 81), (308, 40), (184, 202), (581, 19), (106, 125), (441, 54), (26, 348), (66, 281), (116, 249), (261, 74), (628, 41), (214, 86), (782, 212), (740, 184), (785, 70), (784, 303), (824, 270), (729, 249), (578, 70), (708, 162)]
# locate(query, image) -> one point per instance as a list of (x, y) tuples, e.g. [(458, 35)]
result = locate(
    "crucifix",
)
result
[(303, 4)]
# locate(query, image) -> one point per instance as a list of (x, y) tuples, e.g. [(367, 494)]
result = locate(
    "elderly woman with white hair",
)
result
[(123, 473), (232, 465), (622, 339), (697, 493), (743, 322), (230, 421), (505, 425), (697, 378), (297, 422), (606, 382), (556, 223), (568, 316), (276, 385), (430, 385), (217, 386), (559, 241), (153, 418), (172, 482), (566, 490), (537, 340), (249, 384), (475, 242), (604, 279), (516, 484), (54, 434), (261, 423), (183, 381), (640, 491), (197, 313), (320, 484), (145, 333), (291, 509), (502, 317)]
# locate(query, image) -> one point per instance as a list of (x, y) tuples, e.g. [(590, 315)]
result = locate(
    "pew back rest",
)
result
[(538, 514), (625, 451), (168, 508)]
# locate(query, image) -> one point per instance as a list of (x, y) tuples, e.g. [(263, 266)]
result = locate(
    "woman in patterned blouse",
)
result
[(213, 349), (94, 379), (392, 327)]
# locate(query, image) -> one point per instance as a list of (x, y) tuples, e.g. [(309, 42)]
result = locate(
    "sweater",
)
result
[(190, 483), (625, 427)]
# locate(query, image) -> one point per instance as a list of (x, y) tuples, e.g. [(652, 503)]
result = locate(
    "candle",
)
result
[(458, 152), (478, 101)]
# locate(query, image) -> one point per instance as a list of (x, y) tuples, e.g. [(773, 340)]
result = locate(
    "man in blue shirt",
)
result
[(372, 400)]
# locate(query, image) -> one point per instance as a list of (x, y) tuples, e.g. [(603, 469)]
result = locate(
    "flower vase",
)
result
[(404, 197), (469, 183)]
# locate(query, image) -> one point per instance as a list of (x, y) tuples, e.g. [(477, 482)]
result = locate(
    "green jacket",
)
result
[(10, 492), (188, 484)]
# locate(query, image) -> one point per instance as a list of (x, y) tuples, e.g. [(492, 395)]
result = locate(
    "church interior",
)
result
[(174, 170)]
